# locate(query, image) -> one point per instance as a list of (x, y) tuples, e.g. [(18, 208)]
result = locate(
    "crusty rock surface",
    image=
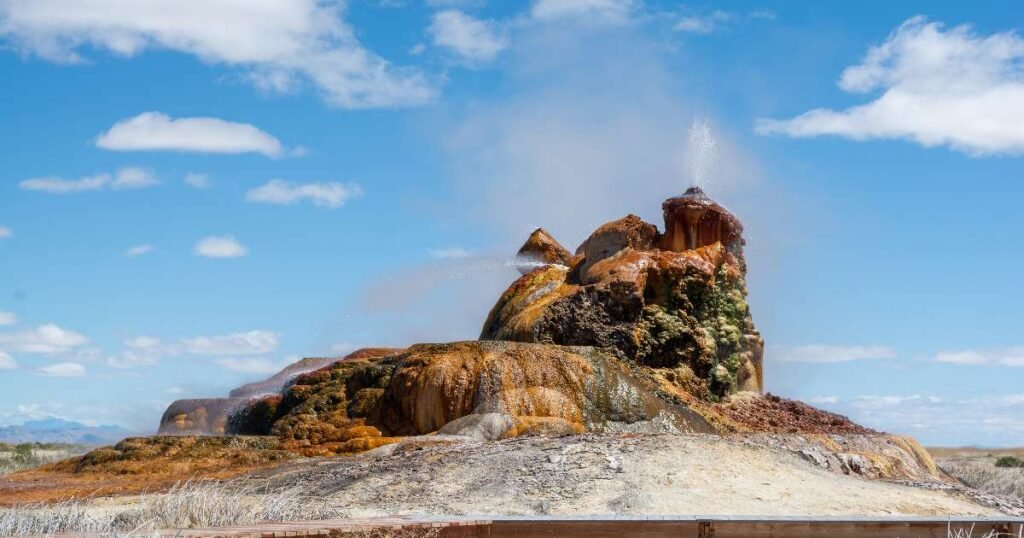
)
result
[(611, 474), (540, 247), (632, 292), (361, 403)]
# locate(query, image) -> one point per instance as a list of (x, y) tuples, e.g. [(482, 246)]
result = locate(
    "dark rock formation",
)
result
[(278, 381), (674, 301)]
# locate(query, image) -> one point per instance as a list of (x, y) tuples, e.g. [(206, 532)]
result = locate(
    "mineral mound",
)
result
[(638, 331), (675, 300)]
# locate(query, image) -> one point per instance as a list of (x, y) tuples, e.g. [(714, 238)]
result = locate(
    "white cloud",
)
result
[(451, 253), (174, 390), (139, 250), (615, 11), (148, 350), (56, 185), (472, 39), (282, 192), (128, 178), (246, 343), (5, 232), (1013, 356), (277, 44), (252, 366), (64, 369), (46, 339), (7, 362), (8, 318), (133, 178), (198, 181), (824, 400), (714, 21), (1013, 399), (141, 351), (220, 246), (829, 354), (876, 401), (938, 87), (703, 24), (143, 343), (155, 131)]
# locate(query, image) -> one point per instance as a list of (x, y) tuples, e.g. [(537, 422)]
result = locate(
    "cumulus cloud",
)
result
[(220, 246), (278, 45), (8, 318), (128, 178), (64, 369), (139, 250), (280, 192), (197, 181), (5, 232), (472, 39), (7, 362), (155, 131), (149, 350), (46, 339), (1013, 357), (939, 87), (243, 343), (993, 419), (828, 354), (615, 11)]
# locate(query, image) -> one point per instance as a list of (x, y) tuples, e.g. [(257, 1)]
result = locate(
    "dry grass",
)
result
[(969, 532), (14, 458), (144, 464), (186, 506), (982, 474)]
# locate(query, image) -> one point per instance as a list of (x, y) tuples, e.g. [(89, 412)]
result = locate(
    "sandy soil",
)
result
[(606, 474)]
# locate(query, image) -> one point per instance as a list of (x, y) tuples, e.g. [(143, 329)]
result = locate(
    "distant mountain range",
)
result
[(55, 430)]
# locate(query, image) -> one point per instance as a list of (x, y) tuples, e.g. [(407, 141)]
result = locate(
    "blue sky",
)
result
[(195, 194)]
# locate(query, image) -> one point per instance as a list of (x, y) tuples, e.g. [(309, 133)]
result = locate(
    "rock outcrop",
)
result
[(541, 248), (468, 388), (199, 416), (675, 301), (639, 331)]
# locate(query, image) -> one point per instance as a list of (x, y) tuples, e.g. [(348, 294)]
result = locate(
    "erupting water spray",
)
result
[(701, 152)]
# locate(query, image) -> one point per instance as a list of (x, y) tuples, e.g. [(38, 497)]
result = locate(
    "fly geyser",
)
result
[(639, 331), (674, 301)]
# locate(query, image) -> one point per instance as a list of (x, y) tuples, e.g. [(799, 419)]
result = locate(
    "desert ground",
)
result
[(589, 474)]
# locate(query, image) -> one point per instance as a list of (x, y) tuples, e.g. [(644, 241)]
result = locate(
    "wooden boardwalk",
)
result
[(639, 527)]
